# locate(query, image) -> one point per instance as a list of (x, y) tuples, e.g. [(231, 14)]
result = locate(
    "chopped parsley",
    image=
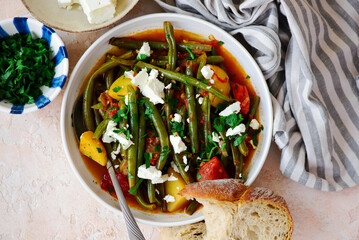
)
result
[(254, 136), (164, 153), (178, 127), (129, 174), (157, 148), (220, 43), (239, 139), (116, 89), (25, 66), (147, 159), (233, 120), (134, 189), (247, 77), (190, 53), (99, 150), (141, 57)]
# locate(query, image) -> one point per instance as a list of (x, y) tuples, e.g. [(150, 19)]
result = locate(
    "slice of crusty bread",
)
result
[(235, 211), (194, 231)]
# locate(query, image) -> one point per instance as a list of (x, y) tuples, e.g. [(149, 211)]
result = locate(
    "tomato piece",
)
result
[(211, 170), (152, 144), (106, 183), (240, 93)]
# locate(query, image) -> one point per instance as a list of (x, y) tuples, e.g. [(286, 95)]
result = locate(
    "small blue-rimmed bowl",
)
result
[(22, 25)]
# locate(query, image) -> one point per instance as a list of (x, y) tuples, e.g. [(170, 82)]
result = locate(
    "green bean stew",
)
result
[(168, 109)]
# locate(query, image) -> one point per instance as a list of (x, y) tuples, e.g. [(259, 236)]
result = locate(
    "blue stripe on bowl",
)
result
[(17, 109), (58, 81), (60, 55), (21, 25), (47, 33), (3, 33), (41, 101)]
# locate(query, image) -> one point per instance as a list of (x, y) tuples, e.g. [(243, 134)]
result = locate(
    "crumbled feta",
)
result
[(177, 118), (174, 166), (188, 120), (98, 11), (198, 95), (111, 136), (241, 128), (233, 108), (126, 99), (172, 178), (209, 87), (211, 81), (129, 74), (254, 124), (185, 160), (117, 166), (151, 173), (149, 85), (169, 198), (200, 100), (207, 72), (144, 50), (215, 137), (178, 144), (168, 86), (157, 191), (253, 146), (115, 152), (186, 168)]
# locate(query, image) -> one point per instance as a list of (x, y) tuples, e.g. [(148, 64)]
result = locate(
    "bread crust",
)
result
[(221, 190)]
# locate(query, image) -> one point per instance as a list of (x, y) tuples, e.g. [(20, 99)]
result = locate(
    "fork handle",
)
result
[(134, 232)]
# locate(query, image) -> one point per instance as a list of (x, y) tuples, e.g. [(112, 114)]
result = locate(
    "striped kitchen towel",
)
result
[(308, 51)]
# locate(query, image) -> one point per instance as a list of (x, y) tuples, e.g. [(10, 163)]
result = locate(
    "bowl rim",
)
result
[(269, 121), (109, 23), (65, 72)]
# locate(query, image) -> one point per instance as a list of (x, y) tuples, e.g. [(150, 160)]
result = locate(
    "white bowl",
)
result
[(74, 20), (101, 46), (23, 25)]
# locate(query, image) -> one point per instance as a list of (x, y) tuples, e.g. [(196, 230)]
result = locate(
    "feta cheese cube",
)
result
[(145, 50), (207, 72), (177, 118), (111, 136), (98, 11), (185, 160), (186, 168), (178, 144), (233, 108), (198, 95), (151, 173), (254, 124), (172, 178), (168, 86), (215, 137), (169, 198), (200, 100), (241, 128)]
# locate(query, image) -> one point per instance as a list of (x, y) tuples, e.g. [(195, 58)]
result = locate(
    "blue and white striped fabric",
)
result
[(309, 54), (59, 56)]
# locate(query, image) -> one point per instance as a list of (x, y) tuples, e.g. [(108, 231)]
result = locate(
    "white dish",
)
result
[(74, 20), (101, 46)]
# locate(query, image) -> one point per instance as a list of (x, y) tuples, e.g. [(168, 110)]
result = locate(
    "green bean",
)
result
[(100, 129), (109, 76), (124, 62), (187, 177), (162, 133), (202, 60), (132, 150), (103, 114), (254, 105), (192, 111), (185, 79), (172, 51), (237, 160), (192, 207), (136, 44), (141, 140), (161, 189), (158, 201), (141, 200), (123, 125), (243, 148), (88, 95), (163, 60), (98, 118), (206, 109), (127, 55), (108, 149), (151, 192)]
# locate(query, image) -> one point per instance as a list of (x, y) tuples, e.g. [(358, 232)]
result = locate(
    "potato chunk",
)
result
[(221, 82), (172, 188), (93, 148), (118, 88)]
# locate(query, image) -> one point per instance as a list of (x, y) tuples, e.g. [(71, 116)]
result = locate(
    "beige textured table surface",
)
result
[(40, 197)]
